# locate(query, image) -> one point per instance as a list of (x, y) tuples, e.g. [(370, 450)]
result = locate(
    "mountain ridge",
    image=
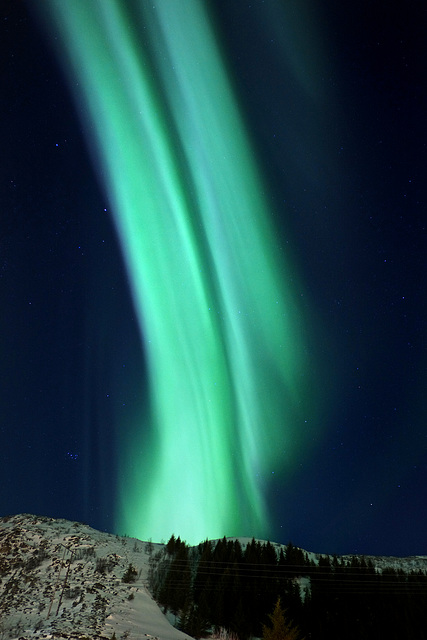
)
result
[(65, 580)]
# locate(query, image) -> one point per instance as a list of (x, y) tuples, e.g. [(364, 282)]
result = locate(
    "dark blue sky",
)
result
[(336, 113)]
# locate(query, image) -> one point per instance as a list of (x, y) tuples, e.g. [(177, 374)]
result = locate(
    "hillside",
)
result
[(62, 579)]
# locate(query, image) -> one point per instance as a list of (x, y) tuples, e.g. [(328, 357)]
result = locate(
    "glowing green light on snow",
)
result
[(214, 299)]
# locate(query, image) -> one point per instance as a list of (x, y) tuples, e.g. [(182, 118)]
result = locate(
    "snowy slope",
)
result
[(37, 555)]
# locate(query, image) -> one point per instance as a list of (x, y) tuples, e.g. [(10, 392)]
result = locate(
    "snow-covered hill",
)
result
[(61, 579)]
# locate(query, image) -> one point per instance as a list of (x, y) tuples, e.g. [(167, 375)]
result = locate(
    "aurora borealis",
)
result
[(212, 249), (215, 303)]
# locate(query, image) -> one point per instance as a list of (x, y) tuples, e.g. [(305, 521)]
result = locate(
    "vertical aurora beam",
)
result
[(213, 296)]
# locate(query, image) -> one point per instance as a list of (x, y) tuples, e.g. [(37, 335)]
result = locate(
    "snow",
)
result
[(93, 605)]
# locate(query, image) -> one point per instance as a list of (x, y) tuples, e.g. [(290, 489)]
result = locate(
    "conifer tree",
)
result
[(281, 629), (130, 575)]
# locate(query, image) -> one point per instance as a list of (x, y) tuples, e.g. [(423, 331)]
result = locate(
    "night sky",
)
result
[(334, 100)]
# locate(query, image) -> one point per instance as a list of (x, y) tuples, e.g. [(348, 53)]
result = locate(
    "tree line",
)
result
[(221, 584)]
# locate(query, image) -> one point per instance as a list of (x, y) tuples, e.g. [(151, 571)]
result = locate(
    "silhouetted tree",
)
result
[(281, 628)]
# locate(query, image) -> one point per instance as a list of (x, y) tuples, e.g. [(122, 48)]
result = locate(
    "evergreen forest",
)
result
[(223, 585)]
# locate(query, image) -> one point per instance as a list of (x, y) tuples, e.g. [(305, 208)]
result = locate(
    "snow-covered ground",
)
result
[(61, 579)]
